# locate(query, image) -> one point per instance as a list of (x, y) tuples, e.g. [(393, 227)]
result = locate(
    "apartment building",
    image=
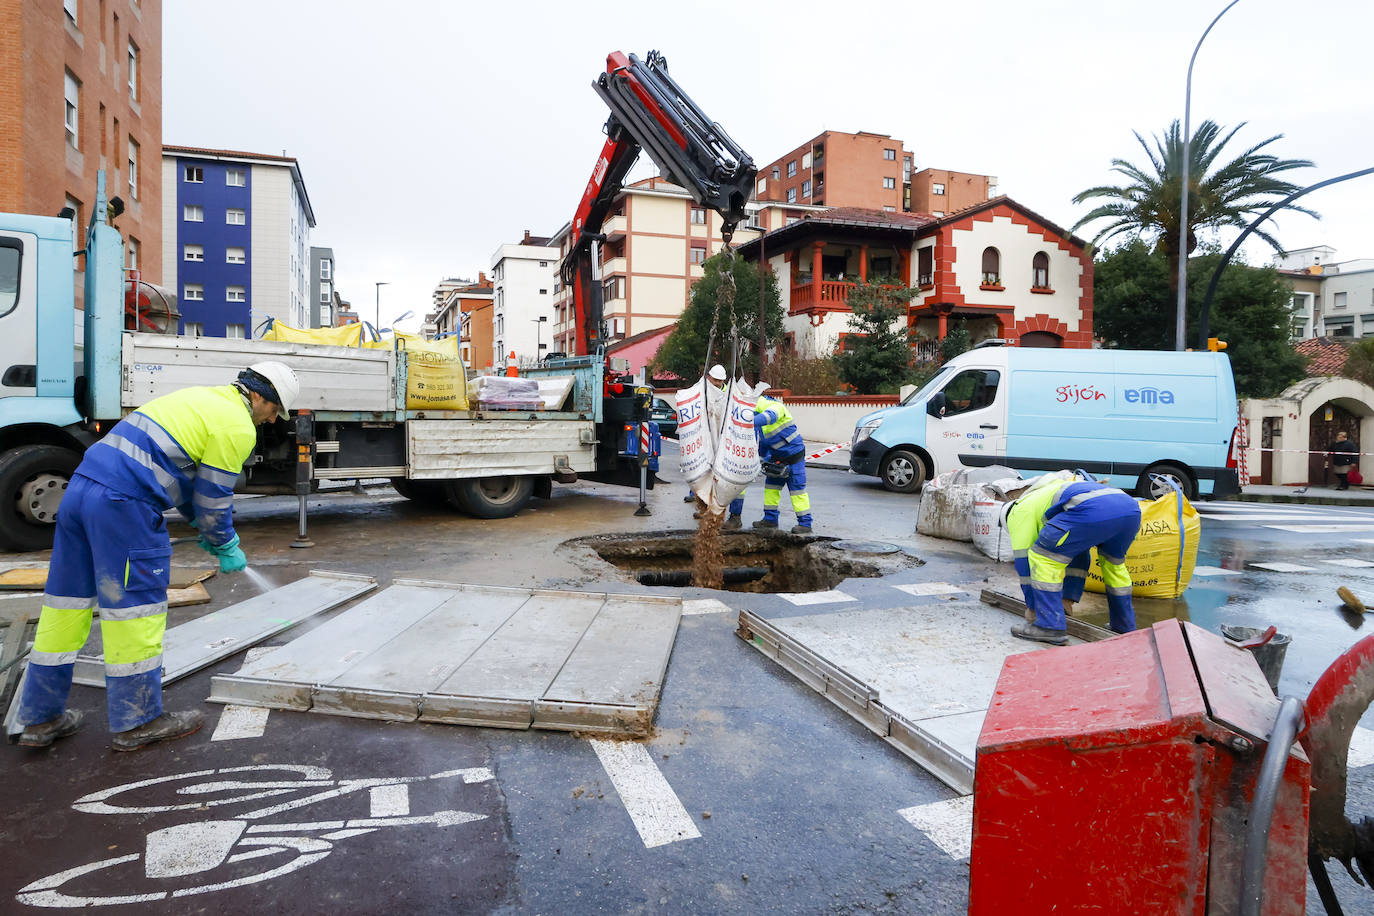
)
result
[(522, 276), (81, 91), (466, 310), (236, 239), (321, 297)]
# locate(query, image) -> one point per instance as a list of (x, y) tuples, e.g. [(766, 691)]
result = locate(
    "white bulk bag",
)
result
[(699, 409), (737, 454)]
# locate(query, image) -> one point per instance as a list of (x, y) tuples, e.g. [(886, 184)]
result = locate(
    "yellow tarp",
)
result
[(435, 376), (346, 336), (1162, 558)]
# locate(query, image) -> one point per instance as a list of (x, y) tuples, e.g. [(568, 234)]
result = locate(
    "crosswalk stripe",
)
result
[(947, 824), (236, 721), (830, 597), (926, 589), (653, 806)]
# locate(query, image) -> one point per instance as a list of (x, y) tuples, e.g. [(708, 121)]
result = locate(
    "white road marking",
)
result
[(948, 824), (1282, 567), (1319, 529), (1277, 517), (390, 801), (654, 808), (830, 597), (243, 721), (704, 606), (1214, 571), (926, 589), (1350, 562), (1361, 748)]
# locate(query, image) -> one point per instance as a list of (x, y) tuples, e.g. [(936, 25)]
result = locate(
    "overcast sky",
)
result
[(429, 132)]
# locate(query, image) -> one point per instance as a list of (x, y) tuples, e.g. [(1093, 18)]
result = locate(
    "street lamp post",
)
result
[(1181, 330), (377, 316)]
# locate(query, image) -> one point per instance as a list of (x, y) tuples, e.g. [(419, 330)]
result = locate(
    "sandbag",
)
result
[(988, 520), (1162, 558), (737, 454), (699, 412), (348, 335), (947, 507), (435, 376)]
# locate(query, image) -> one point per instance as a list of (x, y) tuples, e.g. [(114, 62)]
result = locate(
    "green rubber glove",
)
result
[(231, 556)]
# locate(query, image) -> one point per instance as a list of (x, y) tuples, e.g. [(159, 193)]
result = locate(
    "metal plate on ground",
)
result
[(475, 655), (201, 642), (871, 548), (919, 677)]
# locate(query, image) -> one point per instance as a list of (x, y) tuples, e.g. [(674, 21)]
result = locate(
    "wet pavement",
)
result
[(754, 795)]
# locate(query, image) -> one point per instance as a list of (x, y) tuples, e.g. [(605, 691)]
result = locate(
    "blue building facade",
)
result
[(215, 251)]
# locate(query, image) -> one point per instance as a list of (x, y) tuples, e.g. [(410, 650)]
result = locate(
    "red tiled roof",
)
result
[(1326, 354), (865, 216)]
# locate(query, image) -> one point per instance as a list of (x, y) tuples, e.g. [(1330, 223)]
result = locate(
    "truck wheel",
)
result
[(490, 497), (1150, 488), (420, 491), (32, 481), (903, 471)]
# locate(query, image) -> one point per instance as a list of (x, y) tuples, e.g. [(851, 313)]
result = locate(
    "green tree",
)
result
[(1359, 363), (1133, 309), (957, 340), (684, 351), (1225, 196), (877, 355)]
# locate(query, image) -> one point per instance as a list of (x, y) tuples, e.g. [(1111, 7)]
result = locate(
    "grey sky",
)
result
[(429, 133)]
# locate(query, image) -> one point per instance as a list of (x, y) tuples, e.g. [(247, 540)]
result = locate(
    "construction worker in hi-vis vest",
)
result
[(184, 451), (1052, 529), (780, 444)]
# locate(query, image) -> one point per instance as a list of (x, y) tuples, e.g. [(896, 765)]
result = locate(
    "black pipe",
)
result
[(1203, 320), (1286, 725), (681, 578), (1317, 866)]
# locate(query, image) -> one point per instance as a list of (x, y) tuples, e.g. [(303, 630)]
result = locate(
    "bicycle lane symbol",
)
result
[(204, 848)]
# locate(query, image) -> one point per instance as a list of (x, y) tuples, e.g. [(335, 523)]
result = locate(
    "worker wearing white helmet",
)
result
[(184, 450)]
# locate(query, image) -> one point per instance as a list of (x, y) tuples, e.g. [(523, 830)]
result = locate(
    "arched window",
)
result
[(1040, 268), (992, 267)]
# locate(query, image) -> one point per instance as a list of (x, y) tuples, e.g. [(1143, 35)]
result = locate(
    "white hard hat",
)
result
[(717, 372), (283, 379)]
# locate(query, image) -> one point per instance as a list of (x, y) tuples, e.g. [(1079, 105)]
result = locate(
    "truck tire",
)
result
[(420, 491), (902, 471), (32, 481), (1149, 488), (490, 497)]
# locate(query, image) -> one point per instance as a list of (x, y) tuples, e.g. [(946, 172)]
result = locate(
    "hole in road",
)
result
[(754, 562)]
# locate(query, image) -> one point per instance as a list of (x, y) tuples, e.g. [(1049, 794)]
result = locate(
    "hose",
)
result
[(1286, 726)]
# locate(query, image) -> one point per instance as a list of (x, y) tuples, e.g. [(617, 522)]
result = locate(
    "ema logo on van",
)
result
[(1150, 397)]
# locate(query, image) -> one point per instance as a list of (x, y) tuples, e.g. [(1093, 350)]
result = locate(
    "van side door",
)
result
[(967, 419)]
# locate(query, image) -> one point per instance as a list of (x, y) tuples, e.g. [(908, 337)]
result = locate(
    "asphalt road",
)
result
[(795, 807)]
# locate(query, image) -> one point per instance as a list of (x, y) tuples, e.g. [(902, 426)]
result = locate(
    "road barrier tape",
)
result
[(827, 451)]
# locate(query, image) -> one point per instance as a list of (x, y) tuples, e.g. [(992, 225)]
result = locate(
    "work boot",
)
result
[(765, 523), (165, 727), (1037, 633), (801, 529), (733, 523), (689, 498), (45, 733)]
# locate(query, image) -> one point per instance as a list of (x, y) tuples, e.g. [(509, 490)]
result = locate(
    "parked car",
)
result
[(665, 415)]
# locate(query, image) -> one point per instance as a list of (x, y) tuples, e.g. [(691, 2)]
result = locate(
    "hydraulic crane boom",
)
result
[(649, 111)]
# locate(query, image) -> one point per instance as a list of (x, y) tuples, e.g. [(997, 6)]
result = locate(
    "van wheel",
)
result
[(420, 491), (1150, 488), (490, 497), (903, 471), (32, 481)]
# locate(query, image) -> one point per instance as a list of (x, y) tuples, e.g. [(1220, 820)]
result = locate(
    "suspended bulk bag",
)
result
[(698, 424), (1162, 558), (737, 457)]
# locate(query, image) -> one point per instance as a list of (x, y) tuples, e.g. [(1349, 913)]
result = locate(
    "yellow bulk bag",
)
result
[(435, 378), (346, 336), (1162, 558)]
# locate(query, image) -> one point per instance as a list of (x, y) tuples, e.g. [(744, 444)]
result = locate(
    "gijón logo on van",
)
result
[(1149, 397)]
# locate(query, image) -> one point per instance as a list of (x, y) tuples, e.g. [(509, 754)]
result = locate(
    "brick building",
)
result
[(81, 91), (465, 308)]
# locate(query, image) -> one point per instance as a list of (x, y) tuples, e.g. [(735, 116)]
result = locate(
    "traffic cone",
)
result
[(511, 371)]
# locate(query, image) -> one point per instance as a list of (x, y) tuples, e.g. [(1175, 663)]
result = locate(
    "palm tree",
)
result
[(1230, 196)]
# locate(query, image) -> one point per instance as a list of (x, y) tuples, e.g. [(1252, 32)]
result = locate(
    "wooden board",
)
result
[(34, 578)]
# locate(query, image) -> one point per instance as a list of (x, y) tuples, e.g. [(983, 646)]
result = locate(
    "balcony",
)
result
[(616, 226), (834, 294), (614, 266)]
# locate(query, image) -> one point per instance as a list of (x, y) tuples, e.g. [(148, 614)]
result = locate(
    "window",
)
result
[(698, 254), (75, 206), (234, 216), (889, 209), (193, 252), (234, 256), (235, 178), (791, 195), (925, 266), (133, 72), (195, 174), (133, 168), (193, 329), (234, 331), (806, 188), (938, 188), (193, 292), (192, 213), (972, 389), (613, 288), (324, 296), (72, 92), (777, 173), (806, 161), (698, 216), (992, 267), (891, 155), (1040, 269), (938, 213), (889, 183), (69, 7), (543, 263), (9, 275), (234, 294), (792, 169), (763, 186), (326, 268), (1338, 301), (543, 292)]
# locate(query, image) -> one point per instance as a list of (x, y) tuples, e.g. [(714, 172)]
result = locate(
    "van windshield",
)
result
[(930, 387)]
